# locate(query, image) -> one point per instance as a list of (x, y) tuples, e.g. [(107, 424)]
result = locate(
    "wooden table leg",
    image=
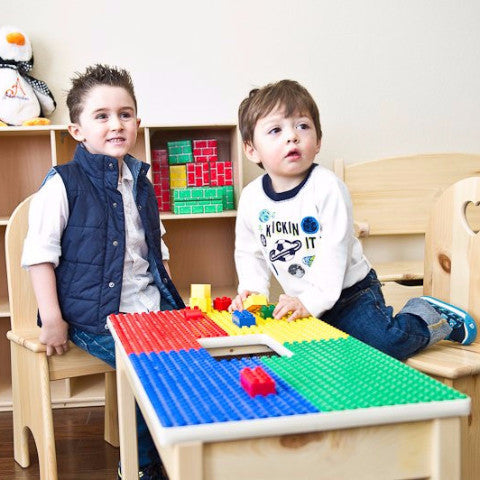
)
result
[(127, 424), (446, 449)]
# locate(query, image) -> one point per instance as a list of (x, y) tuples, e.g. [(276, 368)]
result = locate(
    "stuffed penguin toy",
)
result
[(23, 99)]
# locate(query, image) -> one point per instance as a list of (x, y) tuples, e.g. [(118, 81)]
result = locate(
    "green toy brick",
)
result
[(180, 152), (227, 197), (196, 193)]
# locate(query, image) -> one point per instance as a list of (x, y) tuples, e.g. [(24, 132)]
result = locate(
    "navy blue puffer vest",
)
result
[(89, 276)]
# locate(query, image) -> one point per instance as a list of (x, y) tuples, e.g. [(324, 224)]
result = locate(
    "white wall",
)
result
[(390, 77)]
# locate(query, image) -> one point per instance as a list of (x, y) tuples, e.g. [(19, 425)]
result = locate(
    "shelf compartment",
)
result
[(201, 251), (227, 144)]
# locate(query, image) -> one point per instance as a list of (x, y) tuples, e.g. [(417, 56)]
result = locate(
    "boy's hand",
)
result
[(237, 302), (290, 304), (54, 334)]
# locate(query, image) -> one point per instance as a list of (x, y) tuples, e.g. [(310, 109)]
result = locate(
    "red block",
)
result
[(198, 174), (222, 303), (221, 174), (159, 157), (193, 313), (205, 150), (257, 381)]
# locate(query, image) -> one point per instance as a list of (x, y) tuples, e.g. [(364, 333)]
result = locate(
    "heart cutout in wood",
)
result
[(472, 216)]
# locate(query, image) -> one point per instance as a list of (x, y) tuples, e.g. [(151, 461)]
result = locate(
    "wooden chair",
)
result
[(452, 273), (394, 197), (32, 370)]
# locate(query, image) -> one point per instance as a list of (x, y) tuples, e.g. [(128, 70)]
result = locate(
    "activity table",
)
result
[(342, 410)]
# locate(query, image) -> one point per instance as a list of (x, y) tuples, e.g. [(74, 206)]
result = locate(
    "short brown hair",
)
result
[(96, 75), (261, 101)]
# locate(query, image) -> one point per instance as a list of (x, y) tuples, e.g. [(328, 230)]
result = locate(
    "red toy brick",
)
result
[(257, 381), (192, 313), (222, 303)]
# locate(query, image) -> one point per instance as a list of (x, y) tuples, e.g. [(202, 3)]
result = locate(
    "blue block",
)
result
[(243, 318)]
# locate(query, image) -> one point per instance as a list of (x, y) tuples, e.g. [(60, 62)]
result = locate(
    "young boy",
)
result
[(296, 221), (94, 245)]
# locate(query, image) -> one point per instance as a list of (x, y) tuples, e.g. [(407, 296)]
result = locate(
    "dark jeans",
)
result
[(103, 347), (361, 312)]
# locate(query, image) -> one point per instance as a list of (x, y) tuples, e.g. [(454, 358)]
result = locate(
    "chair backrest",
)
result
[(23, 305), (395, 195), (452, 248)]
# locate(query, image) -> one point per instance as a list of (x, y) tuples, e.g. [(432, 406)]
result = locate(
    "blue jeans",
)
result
[(103, 347), (361, 312)]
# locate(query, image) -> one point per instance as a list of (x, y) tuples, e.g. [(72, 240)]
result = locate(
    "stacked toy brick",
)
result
[(161, 182), (200, 183)]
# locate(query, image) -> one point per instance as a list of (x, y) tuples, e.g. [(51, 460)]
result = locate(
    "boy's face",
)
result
[(108, 123), (286, 146)]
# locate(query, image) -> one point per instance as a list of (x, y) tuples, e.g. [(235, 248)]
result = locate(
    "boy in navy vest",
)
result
[(94, 244)]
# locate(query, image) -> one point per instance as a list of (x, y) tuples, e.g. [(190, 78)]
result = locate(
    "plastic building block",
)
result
[(257, 381), (266, 311), (243, 318), (200, 290), (193, 313), (201, 296), (222, 303), (254, 301), (204, 303)]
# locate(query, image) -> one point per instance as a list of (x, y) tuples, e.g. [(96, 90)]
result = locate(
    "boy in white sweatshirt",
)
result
[(296, 222)]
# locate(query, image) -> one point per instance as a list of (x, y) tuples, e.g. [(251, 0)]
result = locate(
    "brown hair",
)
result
[(96, 75), (261, 101)]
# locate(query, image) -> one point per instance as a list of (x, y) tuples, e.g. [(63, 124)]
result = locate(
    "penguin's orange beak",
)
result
[(16, 38)]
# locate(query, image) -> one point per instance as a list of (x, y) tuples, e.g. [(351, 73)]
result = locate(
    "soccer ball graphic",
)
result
[(284, 250)]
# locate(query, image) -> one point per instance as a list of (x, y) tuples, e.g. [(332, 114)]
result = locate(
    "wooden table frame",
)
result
[(418, 449)]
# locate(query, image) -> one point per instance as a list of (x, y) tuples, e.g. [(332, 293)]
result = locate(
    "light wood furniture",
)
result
[(427, 448), (32, 370), (452, 273), (393, 197), (195, 241)]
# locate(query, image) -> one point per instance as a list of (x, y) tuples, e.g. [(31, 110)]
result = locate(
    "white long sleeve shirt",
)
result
[(48, 217), (304, 237)]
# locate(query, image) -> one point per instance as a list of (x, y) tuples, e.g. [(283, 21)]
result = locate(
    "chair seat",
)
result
[(75, 363), (399, 271), (448, 360)]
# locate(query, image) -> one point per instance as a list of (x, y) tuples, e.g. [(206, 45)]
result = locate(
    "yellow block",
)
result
[(199, 290), (254, 301), (203, 303), (178, 176)]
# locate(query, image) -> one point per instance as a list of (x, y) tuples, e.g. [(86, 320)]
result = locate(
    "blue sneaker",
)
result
[(464, 329), (153, 471)]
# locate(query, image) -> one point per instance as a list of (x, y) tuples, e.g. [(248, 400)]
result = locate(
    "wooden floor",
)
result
[(81, 451)]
